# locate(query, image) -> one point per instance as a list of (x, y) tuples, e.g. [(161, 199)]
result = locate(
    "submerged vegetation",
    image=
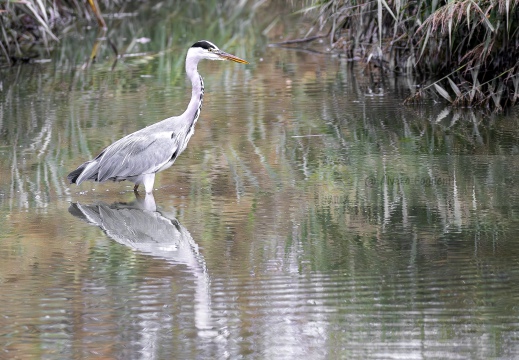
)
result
[(467, 50)]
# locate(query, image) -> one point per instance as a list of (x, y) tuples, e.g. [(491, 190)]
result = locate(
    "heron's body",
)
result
[(137, 157)]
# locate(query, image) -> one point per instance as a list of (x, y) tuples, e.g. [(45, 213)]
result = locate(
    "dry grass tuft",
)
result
[(466, 51), (26, 24)]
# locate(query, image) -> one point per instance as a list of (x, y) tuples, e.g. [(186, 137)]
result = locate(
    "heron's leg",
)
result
[(148, 180)]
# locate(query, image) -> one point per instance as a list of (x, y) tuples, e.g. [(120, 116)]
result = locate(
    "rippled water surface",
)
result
[(311, 216)]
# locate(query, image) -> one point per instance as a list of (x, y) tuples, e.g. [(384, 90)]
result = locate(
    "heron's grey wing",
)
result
[(136, 154)]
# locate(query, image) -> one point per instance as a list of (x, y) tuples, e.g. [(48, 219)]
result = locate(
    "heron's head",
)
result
[(204, 49)]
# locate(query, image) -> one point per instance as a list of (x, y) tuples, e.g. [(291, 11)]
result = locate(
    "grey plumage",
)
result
[(137, 157)]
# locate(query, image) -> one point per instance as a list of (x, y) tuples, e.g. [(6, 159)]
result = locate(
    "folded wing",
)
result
[(133, 155)]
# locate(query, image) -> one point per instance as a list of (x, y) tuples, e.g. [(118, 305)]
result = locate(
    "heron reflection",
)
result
[(140, 226)]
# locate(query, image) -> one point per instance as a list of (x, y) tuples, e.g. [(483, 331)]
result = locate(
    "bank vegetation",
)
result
[(29, 26), (465, 51)]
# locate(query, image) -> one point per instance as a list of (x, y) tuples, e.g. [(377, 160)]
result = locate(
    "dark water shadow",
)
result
[(141, 227)]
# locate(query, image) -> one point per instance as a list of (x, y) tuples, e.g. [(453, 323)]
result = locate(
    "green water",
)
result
[(312, 214)]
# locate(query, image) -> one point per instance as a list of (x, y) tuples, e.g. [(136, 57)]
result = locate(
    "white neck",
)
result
[(197, 93)]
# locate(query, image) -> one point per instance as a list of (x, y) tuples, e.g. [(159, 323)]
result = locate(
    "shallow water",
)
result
[(312, 214)]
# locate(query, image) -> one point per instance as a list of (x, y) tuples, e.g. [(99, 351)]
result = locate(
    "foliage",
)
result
[(30, 28), (469, 48), (25, 24)]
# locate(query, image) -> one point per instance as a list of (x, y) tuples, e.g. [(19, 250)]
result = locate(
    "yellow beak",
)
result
[(231, 57)]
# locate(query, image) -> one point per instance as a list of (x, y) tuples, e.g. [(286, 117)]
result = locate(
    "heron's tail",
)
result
[(86, 171), (72, 177)]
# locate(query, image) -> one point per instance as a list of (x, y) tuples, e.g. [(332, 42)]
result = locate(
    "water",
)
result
[(312, 214)]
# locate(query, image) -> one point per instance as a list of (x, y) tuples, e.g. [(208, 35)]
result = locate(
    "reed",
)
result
[(465, 51), (30, 26)]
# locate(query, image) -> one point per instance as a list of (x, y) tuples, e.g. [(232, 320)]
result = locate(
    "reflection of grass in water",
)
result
[(420, 182)]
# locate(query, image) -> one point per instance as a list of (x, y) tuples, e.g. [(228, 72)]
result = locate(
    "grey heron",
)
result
[(137, 157)]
